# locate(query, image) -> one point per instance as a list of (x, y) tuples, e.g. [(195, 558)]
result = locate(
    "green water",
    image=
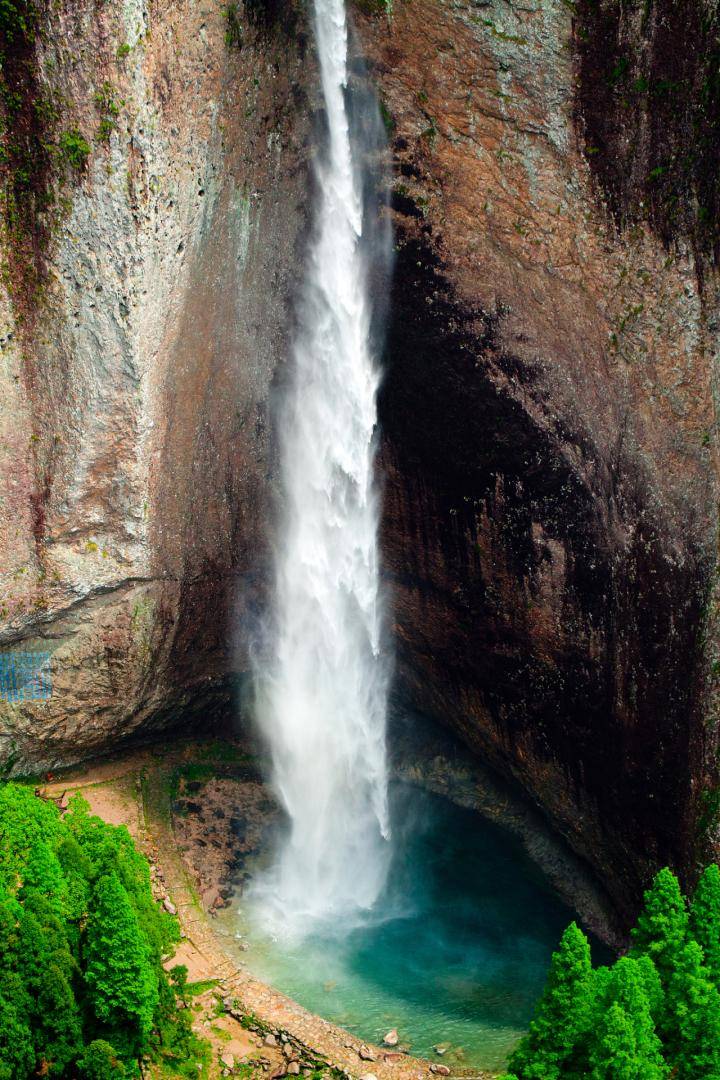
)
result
[(455, 955)]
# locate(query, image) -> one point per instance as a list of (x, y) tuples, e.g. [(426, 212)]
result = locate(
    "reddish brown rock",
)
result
[(551, 490)]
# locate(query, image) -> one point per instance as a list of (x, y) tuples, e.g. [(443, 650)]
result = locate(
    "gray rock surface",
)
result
[(134, 457)]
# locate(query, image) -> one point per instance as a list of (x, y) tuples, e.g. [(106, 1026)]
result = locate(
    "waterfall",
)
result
[(323, 693)]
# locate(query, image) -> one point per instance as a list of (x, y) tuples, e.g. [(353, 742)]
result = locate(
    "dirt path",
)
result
[(134, 789)]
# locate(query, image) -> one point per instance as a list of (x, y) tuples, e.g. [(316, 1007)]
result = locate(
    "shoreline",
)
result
[(132, 788)]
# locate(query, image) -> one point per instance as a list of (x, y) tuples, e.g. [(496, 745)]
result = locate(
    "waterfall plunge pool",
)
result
[(454, 954)]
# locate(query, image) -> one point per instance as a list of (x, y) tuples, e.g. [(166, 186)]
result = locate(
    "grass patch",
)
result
[(252, 1022), (191, 774), (195, 989), (227, 752)]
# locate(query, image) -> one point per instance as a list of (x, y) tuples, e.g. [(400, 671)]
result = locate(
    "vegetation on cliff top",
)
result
[(83, 991), (655, 1013)]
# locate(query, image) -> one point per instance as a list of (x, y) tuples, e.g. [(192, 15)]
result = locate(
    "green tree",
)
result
[(76, 871), (10, 912), (17, 1049), (57, 1029), (692, 1040), (110, 848), (43, 874), (616, 1055), (42, 938), (653, 986), (705, 919), (25, 820), (561, 1019), (625, 1044), (662, 926), (65, 974), (47, 969), (122, 984), (100, 1062)]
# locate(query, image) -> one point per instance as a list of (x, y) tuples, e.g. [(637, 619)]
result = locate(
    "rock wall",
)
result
[(550, 432), (549, 443), (143, 311)]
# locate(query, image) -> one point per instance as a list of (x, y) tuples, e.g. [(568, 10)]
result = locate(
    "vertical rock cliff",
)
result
[(550, 431), (548, 412), (153, 187)]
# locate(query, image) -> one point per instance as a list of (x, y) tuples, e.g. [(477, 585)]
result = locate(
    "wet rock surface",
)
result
[(135, 383), (550, 525), (219, 825)]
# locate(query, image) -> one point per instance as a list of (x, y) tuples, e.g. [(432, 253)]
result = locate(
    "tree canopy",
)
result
[(653, 1014), (83, 991)]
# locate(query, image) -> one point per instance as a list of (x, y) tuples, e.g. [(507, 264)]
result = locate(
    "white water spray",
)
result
[(323, 701)]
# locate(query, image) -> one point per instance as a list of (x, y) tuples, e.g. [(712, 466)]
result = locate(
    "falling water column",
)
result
[(324, 695)]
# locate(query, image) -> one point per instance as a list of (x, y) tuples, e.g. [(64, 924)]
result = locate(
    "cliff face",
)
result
[(548, 412), (549, 431), (144, 307)]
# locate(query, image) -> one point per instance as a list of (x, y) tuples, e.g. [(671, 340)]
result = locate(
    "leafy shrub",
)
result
[(100, 1062), (17, 19), (233, 28), (122, 983), (109, 109)]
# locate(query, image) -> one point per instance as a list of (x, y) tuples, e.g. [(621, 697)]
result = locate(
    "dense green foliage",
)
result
[(83, 992), (561, 1015), (654, 1014)]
